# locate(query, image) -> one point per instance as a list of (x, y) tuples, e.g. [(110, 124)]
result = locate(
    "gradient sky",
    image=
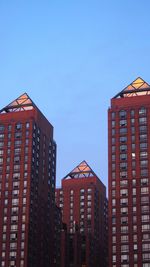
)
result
[(71, 57)]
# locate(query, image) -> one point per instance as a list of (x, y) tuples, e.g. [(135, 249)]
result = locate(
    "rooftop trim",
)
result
[(83, 170), (22, 103), (137, 88)]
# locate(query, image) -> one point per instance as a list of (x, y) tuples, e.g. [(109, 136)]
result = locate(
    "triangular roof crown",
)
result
[(22, 103), (83, 170), (137, 88)]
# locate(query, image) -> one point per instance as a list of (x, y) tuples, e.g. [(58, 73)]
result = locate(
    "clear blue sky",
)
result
[(71, 57)]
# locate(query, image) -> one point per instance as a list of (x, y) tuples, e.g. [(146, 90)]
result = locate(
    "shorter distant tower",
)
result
[(83, 202)]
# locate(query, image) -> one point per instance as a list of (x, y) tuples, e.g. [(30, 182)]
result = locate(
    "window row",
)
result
[(18, 126), (123, 113)]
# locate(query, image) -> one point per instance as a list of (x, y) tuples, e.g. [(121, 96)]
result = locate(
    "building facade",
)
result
[(129, 176), (27, 186), (83, 201)]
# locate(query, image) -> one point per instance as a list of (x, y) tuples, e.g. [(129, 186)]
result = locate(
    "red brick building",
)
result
[(83, 201), (129, 176), (27, 186)]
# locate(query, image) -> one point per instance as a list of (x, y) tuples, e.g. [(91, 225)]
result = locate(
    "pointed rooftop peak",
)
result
[(83, 170), (21, 103), (137, 88)]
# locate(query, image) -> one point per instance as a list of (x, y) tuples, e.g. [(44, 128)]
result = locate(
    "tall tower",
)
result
[(83, 201), (27, 186), (129, 176)]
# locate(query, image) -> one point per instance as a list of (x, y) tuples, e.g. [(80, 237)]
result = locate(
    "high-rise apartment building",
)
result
[(83, 201), (129, 176), (27, 186)]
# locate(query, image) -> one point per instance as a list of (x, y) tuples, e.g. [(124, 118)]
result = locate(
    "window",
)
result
[(18, 135), (134, 182), (132, 130), (145, 247), (113, 239), (123, 183), (144, 181), (81, 191), (113, 115), (142, 111), (144, 173), (132, 113), (134, 191), (113, 166), (27, 125), (123, 165), (145, 218), (89, 190), (124, 220), (122, 114), (17, 143), (132, 121), (18, 126), (146, 265), (143, 154), (15, 201), (123, 156), (113, 157), (16, 176), (16, 167), (124, 229), (124, 201), (143, 120), (113, 175), (71, 192), (9, 128), (144, 209), (113, 123), (146, 256), (113, 149), (1, 136), (124, 192), (124, 130), (113, 131), (133, 138), (14, 227), (124, 210), (123, 123), (1, 152), (144, 190), (123, 174), (124, 248), (16, 159), (113, 183), (113, 140), (113, 202), (113, 193), (123, 148), (1, 144), (145, 227), (143, 146), (114, 258), (123, 139), (143, 128), (143, 163), (146, 236), (124, 238), (2, 128)]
